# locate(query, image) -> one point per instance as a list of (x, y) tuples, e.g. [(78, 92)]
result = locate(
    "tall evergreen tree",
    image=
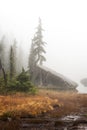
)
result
[(32, 57), (37, 48), (2, 60), (4, 74), (32, 61), (39, 45), (12, 63), (36, 56), (15, 54), (2, 51)]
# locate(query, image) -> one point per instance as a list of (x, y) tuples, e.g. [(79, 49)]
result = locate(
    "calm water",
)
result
[(81, 88)]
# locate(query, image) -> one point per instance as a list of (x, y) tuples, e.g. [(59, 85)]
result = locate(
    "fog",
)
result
[(65, 31)]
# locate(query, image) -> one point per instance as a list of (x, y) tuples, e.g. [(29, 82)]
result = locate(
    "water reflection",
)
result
[(81, 88)]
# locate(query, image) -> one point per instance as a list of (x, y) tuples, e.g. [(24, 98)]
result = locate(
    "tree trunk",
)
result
[(4, 74)]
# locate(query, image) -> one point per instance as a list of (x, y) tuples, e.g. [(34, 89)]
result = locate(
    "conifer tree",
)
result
[(31, 57), (2, 52), (12, 63), (15, 55), (37, 48), (37, 51), (39, 45)]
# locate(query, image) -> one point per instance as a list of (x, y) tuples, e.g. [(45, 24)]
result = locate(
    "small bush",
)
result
[(33, 90), (23, 77), (20, 83)]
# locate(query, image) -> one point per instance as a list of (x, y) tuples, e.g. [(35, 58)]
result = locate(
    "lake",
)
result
[(81, 88)]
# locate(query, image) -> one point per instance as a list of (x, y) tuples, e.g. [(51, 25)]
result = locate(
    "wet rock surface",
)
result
[(71, 122)]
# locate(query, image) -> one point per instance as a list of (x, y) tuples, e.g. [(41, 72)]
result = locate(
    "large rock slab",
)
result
[(51, 79)]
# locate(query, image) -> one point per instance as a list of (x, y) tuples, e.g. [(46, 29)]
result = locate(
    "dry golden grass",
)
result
[(53, 103), (21, 105), (71, 102)]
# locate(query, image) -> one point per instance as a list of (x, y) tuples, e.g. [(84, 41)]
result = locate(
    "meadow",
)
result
[(45, 104), (46, 101)]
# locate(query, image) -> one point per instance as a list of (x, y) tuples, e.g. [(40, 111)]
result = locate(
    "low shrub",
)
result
[(20, 83)]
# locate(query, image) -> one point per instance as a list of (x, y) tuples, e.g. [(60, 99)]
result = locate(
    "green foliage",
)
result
[(2, 86), (23, 77), (17, 86), (33, 90), (21, 83)]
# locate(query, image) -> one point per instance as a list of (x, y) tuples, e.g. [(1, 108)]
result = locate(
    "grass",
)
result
[(54, 103), (46, 103), (71, 102), (25, 105)]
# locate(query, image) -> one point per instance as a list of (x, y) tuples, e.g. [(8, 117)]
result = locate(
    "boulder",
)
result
[(49, 78)]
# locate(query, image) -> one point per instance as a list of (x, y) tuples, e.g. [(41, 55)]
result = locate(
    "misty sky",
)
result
[(65, 25)]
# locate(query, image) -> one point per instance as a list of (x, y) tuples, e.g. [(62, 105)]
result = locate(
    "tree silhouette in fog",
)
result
[(37, 50)]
